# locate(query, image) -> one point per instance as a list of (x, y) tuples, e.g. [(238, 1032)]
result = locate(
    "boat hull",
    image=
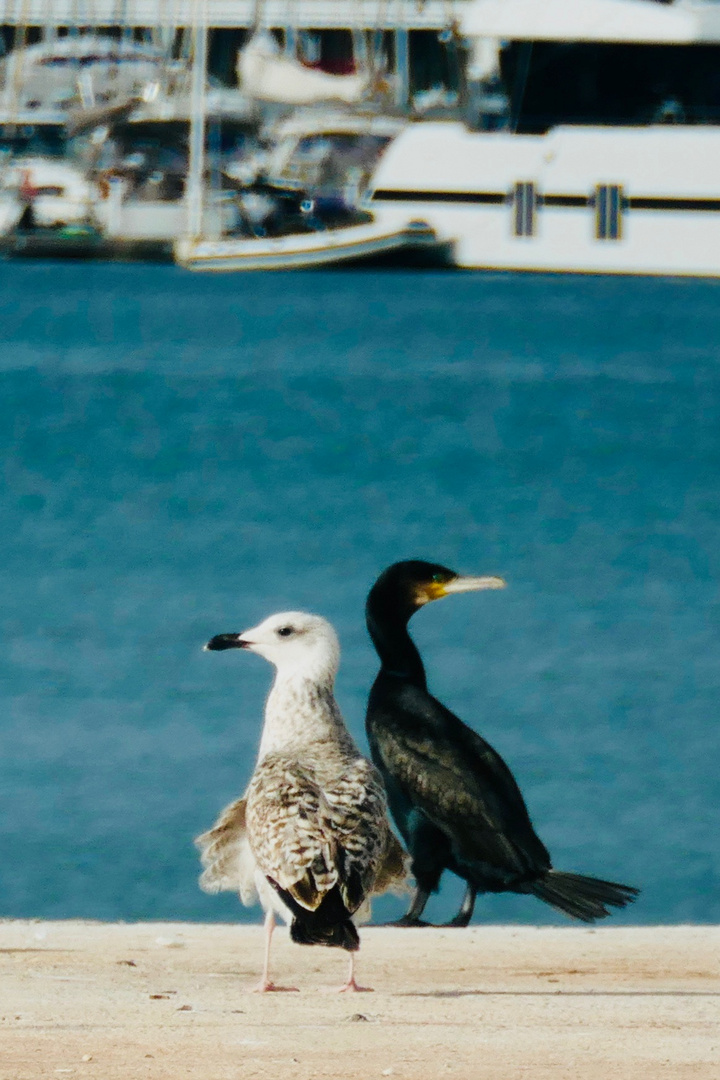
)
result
[(354, 243), (577, 200)]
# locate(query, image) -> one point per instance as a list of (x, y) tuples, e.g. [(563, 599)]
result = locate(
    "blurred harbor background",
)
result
[(570, 135), (127, 128), (183, 456)]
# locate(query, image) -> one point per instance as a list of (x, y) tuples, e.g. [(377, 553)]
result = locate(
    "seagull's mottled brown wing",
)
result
[(356, 815), (394, 870), (286, 832), (309, 838)]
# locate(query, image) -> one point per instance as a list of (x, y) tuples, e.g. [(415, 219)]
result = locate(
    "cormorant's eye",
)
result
[(285, 631), (438, 578)]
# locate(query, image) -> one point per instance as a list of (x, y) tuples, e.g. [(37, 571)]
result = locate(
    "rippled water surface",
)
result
[(185, 455)]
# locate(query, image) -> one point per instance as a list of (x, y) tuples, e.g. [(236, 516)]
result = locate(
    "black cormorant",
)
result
[(453, 798)]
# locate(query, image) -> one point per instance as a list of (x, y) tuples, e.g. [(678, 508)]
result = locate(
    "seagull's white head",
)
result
[(294, 641)]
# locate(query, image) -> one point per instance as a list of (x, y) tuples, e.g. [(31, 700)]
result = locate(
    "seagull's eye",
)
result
[(285, 631)]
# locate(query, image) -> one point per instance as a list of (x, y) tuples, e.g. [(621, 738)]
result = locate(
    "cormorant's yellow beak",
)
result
[(434, 590)]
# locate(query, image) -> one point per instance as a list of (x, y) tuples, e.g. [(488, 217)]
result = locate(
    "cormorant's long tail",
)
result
[(585, 898)]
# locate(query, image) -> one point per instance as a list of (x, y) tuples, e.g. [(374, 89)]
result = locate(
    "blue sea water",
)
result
[(185, 455)]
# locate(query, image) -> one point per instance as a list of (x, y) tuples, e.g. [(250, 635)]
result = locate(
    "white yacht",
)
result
[(45, 87), (592, 143)]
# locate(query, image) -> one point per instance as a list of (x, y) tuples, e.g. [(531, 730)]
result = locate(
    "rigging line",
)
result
[(19, 44), (256, 17), (291, 30)]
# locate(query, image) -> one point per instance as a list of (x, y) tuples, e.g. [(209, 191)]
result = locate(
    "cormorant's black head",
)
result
[(406, 586)]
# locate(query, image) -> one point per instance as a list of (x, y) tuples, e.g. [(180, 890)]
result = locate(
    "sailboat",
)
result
[(303, 237)]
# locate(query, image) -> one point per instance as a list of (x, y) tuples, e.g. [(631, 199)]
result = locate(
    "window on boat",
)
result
[(328, 50), (555, 82), (329, 162), (435, 70), (608, 211), (524, 205)]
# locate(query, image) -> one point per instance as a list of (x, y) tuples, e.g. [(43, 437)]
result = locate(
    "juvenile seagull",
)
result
[(452, 796), (310, 837)]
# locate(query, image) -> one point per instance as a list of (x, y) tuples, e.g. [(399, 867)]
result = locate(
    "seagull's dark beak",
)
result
[(227, 641)]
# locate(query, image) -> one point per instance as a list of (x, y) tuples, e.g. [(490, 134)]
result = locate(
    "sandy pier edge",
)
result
[(121, 1001)]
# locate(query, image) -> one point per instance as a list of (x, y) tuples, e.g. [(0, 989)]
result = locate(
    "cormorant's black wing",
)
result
[(459, 782)]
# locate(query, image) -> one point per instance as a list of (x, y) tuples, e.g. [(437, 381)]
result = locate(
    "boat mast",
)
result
[(196, 164)]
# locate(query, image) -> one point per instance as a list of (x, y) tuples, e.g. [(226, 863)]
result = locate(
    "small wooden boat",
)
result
[(368, 241)]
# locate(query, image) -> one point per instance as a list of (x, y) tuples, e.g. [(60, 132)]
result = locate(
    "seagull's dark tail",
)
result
[(329, 924), (310, 931), (584, 898)]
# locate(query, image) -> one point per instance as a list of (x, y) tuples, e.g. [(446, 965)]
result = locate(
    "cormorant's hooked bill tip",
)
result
[(226, 641)]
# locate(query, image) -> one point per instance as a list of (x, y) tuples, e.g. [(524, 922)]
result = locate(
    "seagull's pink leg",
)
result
[(351, 986), (265, 986)]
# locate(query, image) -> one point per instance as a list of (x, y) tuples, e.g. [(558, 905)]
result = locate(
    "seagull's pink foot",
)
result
[(351, 987), (267, 987)]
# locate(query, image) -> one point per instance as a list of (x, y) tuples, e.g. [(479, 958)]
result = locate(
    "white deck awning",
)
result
[(319, 14), (641, 21), (631, 21)]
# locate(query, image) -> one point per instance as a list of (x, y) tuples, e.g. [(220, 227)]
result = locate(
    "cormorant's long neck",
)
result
[(396, 649)]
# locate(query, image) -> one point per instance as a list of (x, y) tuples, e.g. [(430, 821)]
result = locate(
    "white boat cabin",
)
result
[(600, 153)]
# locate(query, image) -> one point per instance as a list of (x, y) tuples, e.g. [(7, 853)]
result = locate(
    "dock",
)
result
[(166, 1001)]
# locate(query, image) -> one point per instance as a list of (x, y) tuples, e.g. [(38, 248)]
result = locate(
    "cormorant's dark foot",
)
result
[(408, 920), (459, 920)]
